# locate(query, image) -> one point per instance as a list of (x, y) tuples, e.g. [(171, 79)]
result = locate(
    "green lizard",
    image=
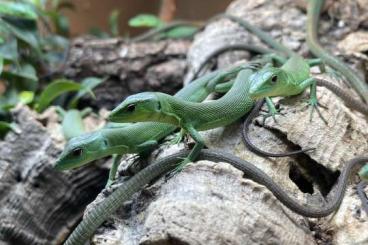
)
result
[(314, 9), (195, 92), (191, 117), (124, 192), (291, 79), (134, 138)]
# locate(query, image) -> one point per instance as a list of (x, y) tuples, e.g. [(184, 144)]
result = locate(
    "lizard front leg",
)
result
[(196, 149), (313, 101)]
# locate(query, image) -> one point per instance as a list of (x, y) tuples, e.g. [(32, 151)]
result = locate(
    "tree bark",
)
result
[(128, 67)]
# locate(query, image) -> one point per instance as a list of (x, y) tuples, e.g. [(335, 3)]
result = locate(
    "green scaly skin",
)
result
[(314, 10), (138, 137), (191, 117), (124, 192)]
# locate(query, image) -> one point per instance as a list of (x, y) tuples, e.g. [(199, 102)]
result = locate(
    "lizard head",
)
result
[(267, 82), (137, 108), (83, 149), (363, 172)]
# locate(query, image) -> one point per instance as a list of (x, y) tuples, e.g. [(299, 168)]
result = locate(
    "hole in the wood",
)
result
[(315, 172), (36, 185), (319, 174), (297, 177), (18, 176)]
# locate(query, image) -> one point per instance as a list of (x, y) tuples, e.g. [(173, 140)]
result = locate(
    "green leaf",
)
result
[(145, 20), (114, 22), (55, 89), (87, 85), (5, 127), (1, 65), (26, 97), (16, 9), (181, 32), (24, 30), (24, 71), (9, 99), (9, 50), (62, 25)]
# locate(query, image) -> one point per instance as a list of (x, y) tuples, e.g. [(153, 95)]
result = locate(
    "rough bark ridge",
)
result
[(207, 202), (129, 68), (38, 204)]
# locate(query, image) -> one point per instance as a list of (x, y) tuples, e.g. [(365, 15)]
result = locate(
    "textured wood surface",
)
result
[(191, 207), (129, 68), (38, 204)]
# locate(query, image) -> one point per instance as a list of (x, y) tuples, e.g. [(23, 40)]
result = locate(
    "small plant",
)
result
[(177, 30), (33, 44)]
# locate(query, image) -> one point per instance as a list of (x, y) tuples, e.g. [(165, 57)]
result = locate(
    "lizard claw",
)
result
[(178, 168), (314, 104), (272, 114)]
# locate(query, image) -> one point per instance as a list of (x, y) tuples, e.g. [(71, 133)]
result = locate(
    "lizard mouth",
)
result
[(259, 93), (114, 118), (61, 166)]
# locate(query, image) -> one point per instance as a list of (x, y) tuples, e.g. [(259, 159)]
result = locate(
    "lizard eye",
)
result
[(77, 152), (130, 107), (274, 79)]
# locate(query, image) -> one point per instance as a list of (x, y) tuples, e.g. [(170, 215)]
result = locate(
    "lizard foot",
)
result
[(109, 183), (272, 113), (179, 167), (314, 105), (177, 139)]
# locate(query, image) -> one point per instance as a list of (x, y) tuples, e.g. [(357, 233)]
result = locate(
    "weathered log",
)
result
[(40, 205), (128, 68)]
